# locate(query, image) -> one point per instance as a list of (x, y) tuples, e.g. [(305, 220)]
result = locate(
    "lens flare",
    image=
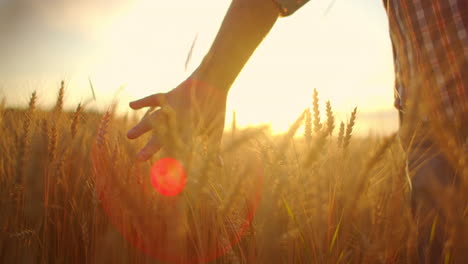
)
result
[(168, 176), (162, 226)]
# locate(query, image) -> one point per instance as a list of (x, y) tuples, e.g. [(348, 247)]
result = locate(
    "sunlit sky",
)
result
[(130, 49)]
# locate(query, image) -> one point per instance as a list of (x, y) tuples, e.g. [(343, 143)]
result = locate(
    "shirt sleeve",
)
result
[(287, 7)]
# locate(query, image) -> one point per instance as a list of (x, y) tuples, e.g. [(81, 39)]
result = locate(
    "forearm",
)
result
[(245, 25)]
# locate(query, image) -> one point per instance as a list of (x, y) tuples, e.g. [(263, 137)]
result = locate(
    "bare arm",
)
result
[(245, 25)]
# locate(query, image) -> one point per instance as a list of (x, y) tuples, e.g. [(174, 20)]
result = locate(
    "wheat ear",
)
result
[(102, 130), (317, 124), (76, 120), (59, 104), (349, 128), (330, 119), (25, 138)]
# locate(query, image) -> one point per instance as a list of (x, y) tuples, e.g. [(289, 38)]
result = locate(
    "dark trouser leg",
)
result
[(428, 182), (430, 174)]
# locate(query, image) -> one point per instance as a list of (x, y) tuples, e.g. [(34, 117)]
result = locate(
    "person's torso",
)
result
[(430, 48)]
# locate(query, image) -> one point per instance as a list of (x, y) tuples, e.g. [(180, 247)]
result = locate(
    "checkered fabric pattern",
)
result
[(430, 47)]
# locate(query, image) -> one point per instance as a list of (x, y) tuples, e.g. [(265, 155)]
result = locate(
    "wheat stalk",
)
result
[(371, 162), (290, 134), (341, 135), (52, 142), (59, 104), (76, 120), (316, 149), (244, 137), (320, 186), (308, 128), (102, 130), (32, 102), (25, 138), (330, 119), (378, 154), (349, 128), (317, 124)]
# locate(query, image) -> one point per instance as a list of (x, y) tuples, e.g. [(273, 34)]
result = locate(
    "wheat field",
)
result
[(72, 193)]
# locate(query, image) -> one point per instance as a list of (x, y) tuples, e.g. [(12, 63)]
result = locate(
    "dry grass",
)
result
[(72, 193)]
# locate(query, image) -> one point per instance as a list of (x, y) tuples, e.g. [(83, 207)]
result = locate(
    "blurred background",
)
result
[(132, 48)]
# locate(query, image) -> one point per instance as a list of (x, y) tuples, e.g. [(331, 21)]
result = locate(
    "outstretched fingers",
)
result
[(145, 125), (153, 146), (154, 100)]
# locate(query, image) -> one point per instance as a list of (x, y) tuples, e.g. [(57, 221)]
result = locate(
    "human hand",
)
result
[(192, 109)]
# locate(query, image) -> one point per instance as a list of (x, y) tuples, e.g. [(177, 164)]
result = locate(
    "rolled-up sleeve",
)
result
[(287, 7)]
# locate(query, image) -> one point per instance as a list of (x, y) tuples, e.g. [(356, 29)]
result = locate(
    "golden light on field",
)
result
[(77, 186), (340, 48)]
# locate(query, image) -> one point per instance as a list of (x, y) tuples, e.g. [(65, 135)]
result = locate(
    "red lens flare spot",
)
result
[(168, 176)]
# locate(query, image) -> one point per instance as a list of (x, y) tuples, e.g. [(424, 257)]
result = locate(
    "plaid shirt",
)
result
[(430, 47)]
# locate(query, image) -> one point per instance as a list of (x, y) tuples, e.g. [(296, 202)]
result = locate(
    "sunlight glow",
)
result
[(344, 53)]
